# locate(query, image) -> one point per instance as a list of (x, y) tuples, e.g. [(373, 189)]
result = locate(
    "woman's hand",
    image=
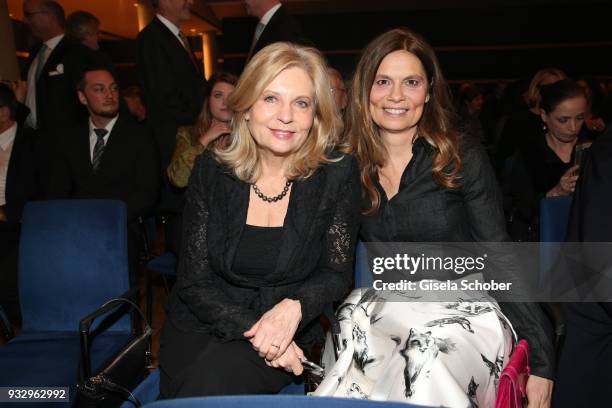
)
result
[(566, 184), (216, 130), (539, 391), (290, 360), (273, 333)]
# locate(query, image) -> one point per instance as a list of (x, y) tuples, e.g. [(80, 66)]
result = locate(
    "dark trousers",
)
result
[(584, 374), (197, 364)]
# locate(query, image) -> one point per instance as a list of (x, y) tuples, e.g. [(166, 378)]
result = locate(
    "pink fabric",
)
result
[(511, 392)]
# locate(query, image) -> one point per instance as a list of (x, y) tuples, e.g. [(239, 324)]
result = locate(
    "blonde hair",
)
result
[(242, 155), (435, 126), (532, 95)]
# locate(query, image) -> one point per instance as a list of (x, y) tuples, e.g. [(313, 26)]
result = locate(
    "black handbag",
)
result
[(112, 384)]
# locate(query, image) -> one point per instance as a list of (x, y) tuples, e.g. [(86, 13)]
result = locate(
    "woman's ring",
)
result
[(274, 345)]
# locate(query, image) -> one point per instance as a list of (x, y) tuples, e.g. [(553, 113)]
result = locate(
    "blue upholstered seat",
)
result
[(72, 259)]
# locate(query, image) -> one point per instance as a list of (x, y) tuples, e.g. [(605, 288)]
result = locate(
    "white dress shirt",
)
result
[(265, 19), (93, 138), (30, 102), (6, 147), (170, 25)]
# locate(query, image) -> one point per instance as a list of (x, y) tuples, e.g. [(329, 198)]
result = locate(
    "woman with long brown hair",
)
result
[(423, 183), (211, 129)]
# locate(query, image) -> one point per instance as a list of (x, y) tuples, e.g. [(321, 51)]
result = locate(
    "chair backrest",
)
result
[(363, 273), (275, 401), (554, 217), (72, 259)]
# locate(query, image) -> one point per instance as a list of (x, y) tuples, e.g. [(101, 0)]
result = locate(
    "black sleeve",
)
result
[(332, 277), (198, 284), (484, 206)]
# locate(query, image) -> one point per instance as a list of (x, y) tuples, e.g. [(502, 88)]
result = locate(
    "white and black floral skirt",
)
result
[(429, 353)]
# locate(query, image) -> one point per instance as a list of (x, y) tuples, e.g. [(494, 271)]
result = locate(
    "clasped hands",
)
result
[(272, 336)]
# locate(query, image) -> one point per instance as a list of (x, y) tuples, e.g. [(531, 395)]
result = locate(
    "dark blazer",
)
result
[(172, 86), (314, 266), (128, 170), (281, 27), (57, 103), (21, 179), (584, 372)]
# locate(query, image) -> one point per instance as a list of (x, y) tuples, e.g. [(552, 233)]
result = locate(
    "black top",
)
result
[(314, 264), (423, 211), (258, 251), (521, 127), (534, 169)]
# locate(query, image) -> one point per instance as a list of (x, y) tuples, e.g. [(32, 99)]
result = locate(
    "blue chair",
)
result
[(554, 218), (165, 264), (363, 272), (72, 260), (274, 401)]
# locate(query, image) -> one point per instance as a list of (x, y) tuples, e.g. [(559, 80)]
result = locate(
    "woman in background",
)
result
[(546, 167), (212, 127)]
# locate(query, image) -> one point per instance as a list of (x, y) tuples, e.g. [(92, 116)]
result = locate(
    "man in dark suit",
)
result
[(18, 184), (110, 156), (274, 25), (172, 87), (53, 68), (585, 367)]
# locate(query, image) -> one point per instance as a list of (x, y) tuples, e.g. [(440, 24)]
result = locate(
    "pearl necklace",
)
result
[(274, 199)]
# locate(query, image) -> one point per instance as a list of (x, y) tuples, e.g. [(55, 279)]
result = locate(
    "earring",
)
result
[(544, 127), (427, 98)]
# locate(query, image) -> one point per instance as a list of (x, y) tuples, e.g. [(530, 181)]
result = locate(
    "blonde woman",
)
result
[(212, 127), (269, 230)]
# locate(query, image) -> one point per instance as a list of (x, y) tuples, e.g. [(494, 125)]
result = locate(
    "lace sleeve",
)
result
[(197, 283), (331, 279)]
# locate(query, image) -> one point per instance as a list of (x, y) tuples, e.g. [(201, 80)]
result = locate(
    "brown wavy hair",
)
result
[(362, 138), (204, 120)]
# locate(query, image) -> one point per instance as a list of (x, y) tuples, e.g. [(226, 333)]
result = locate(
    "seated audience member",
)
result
[(545, 167), (338, 89), (524, 124), (211, 128), (422, 183), (584, 374), (471, 100), (83, 27), (134, 103), (109, 156), (270, 227), (18, 183), (597, 118)]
